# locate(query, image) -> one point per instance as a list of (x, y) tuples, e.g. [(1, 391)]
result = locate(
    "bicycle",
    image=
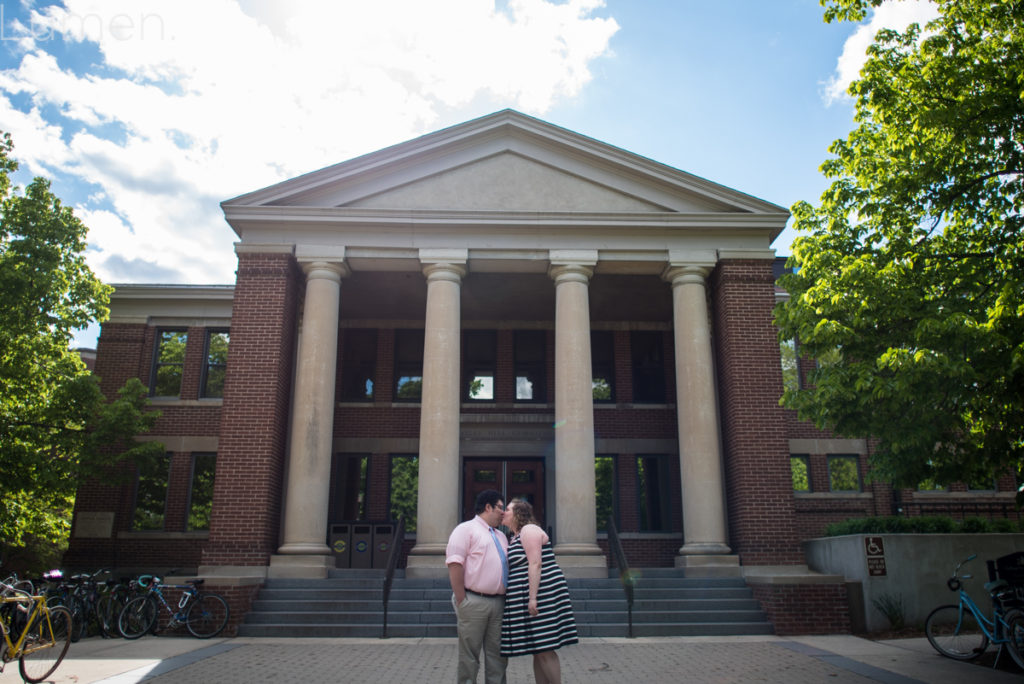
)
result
[(204, 615), (963, 631), (35, 634)]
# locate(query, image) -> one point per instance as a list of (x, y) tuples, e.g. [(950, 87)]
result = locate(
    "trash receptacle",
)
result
[(340, 541), (382, 534), (362, 546)]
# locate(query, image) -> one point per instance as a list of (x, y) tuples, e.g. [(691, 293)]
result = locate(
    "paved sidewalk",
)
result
[(719, 660)]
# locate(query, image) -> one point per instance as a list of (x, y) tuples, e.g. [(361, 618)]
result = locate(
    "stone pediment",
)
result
[(508, 182), (506, 162)]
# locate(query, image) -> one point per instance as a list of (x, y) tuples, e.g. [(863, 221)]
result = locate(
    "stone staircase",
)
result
[(349, 604)]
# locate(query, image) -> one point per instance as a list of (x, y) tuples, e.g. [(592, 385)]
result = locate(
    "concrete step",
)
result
[(350, 604)]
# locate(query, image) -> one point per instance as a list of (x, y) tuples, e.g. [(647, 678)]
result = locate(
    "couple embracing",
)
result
[(510, 598)]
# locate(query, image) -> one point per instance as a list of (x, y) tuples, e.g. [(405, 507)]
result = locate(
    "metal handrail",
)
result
[(397, 539), (626, 576)]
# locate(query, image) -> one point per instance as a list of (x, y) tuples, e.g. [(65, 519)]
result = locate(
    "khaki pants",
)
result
[(479, 620)]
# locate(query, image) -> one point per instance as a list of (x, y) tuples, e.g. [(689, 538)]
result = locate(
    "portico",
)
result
[(458, 231)]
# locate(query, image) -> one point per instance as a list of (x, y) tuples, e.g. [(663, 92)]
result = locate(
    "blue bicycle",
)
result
[(204, 614), (963, 631)]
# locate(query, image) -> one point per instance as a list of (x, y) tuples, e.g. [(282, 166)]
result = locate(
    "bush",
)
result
[(935, 524)]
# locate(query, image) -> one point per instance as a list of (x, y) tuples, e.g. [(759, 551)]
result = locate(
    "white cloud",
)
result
[(192, 102), (894, 14)]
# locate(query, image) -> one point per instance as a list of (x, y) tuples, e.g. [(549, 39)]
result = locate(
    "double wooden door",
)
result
[(520, 478)]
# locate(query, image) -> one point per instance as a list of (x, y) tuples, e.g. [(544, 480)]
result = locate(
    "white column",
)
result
[(700, 459), (309, 467), (576, 503), (439, 473)]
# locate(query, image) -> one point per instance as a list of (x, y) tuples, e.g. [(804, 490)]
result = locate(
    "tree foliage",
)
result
[(55, 425), (908, 282)]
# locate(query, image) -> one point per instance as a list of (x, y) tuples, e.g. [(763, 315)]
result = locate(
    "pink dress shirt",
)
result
[(472, 546)]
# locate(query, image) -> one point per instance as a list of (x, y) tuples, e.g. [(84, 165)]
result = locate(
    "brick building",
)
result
[(503, 304)]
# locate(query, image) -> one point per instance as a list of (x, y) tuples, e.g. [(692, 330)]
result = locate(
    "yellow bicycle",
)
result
[(34, 634)]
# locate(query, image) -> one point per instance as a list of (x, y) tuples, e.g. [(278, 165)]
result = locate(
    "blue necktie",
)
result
[(501, 555)]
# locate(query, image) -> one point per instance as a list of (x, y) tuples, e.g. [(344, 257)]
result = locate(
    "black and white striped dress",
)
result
[(554, 626)]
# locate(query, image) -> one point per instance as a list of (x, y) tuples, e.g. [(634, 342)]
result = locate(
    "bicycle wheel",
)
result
[(46, 642), (108, 609), (1015, 634), (137, 617), (207, 616), (955, 633)]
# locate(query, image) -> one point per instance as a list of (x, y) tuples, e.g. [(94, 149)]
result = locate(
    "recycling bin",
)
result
[(362, 546), (340, 541), (382, 534)]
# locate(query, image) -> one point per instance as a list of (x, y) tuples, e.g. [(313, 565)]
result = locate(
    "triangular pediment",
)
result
[(508, 182), (505, 162)]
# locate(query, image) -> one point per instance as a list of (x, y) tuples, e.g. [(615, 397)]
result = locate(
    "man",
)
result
[(478, 571)]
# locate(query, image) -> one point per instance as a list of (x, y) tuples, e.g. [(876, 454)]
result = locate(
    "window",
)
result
[(983, 483), (479, 356), (530, 351), (200, 498), (648, 355), (359, 364), (151, 492), (168, 363), (602, 361), (408, 365), (604, 477), (790, 365), (216, 363), (652, 477), (843, 473), (403, 488), (800, 465), (349, 487)]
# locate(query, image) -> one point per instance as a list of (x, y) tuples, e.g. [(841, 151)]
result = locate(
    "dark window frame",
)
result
[(648, 367), (157, 364), (192, 488), (479, 359), (207, 365), (530, 368), (834, 458), (664, 492), (355, 364), (166, 459), (806, 458), (408, 366), (602, 362)]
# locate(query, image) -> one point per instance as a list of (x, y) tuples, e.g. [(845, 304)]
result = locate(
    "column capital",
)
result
[(686, 274), (689, 266), (326, 270), (444, 271), (570, 273)]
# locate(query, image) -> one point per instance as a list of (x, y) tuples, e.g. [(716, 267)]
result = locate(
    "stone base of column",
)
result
[(427, 560), (581, 560), (718, 565), (300, 566), (233, 574)]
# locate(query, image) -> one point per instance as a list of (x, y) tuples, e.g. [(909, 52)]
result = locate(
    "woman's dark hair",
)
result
[(522, 514)]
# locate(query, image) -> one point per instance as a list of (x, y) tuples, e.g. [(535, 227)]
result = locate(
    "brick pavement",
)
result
[(698, 660)]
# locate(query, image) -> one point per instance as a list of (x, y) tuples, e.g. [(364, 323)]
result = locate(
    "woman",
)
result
[(538, 614)]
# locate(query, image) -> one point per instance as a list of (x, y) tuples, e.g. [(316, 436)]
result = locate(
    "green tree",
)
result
[(907, 277), (56, 427)]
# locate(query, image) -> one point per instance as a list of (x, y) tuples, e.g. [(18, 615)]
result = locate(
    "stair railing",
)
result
[(626, 576), (397, 539)]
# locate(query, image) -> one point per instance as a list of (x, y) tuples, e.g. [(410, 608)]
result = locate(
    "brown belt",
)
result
[(480, 593)]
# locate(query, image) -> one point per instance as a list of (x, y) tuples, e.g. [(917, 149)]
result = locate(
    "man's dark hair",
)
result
[(485, 498)]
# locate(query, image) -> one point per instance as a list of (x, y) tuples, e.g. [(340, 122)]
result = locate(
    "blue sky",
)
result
[(146, 114)]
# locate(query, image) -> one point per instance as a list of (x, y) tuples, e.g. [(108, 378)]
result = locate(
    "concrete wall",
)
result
[(916, 565)]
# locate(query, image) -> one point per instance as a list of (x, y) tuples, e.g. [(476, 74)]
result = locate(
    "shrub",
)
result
[(935, 524)]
